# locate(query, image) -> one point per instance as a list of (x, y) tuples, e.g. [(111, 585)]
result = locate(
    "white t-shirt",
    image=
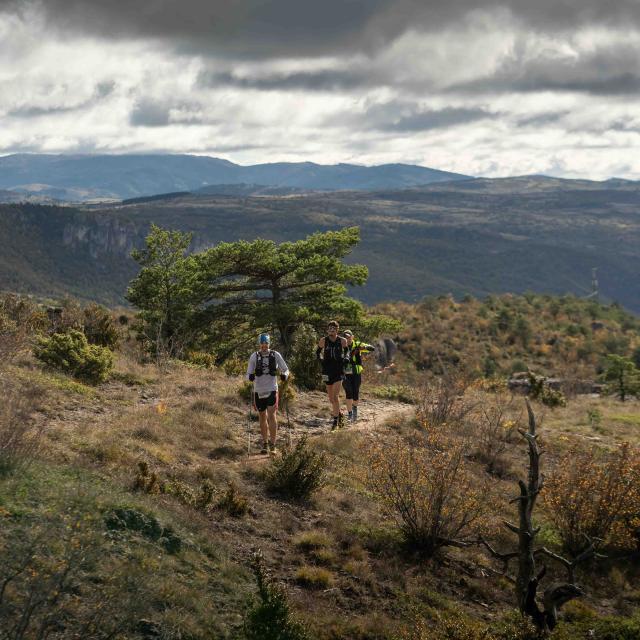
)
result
[(266, 383)]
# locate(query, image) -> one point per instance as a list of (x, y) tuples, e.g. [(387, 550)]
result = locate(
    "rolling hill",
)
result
[(476, 236), (102, 177)]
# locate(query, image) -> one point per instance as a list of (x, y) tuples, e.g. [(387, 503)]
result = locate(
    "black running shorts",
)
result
[(333, 377), (261, 404), (351, 384)]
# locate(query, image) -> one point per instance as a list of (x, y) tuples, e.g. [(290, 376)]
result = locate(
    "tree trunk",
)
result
[(527, 581)]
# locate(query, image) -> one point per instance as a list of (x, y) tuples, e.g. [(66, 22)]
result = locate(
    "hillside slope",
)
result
[(476, 237), (162, 551)]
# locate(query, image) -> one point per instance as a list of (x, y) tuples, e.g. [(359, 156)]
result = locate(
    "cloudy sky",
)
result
[(484, 87)]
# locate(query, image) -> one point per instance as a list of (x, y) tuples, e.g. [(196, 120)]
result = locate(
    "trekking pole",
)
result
[(249, 425), (289, 427), (285, 393)]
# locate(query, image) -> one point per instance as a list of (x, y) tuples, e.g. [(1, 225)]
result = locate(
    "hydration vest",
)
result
[(332, 351), (259, 364), (355, 355)]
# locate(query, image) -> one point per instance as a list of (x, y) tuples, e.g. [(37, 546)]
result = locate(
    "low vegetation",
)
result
[(595, 496), (71, 353), (129, 508), (20, 439), (560, 336), (271, 618), (427, 489), (298, 472)]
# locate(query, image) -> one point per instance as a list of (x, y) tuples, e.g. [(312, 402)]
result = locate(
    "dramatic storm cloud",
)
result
[(483, 87)]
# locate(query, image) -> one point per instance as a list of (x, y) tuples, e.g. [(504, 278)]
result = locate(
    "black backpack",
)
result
[(272, 363)]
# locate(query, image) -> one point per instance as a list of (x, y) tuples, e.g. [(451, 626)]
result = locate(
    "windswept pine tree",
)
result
[(220, 298)]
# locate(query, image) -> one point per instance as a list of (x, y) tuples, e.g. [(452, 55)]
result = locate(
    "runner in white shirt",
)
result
[(262, 370)]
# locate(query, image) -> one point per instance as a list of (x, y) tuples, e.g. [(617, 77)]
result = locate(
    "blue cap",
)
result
[(264, 338)]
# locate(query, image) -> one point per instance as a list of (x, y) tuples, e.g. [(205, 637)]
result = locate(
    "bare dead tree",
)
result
[(528, 579)]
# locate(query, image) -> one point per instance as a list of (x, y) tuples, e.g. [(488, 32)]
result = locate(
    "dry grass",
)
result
[(312, 540), (313, 577), (618, 421), (20, 438), (189, 426)]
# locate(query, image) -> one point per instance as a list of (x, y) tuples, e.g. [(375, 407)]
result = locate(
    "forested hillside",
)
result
[(558, 336), (51, 251), (473, 237)]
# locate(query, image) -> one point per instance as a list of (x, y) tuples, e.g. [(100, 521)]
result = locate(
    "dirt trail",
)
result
[(315, 421), (372, 414)]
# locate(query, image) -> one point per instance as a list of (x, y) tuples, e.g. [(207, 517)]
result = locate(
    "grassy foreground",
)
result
[(139, 513)]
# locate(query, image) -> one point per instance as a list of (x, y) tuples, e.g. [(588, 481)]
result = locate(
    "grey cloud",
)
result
[(259, 28), (29, 111), (104, 89), (157, 112), (440, 119), (613, 70), (101, 91), (149, 113), (542, 119), (323, 80), (401, 116), (625, 126)]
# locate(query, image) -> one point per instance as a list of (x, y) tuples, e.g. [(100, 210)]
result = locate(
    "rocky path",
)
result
[(314, 421), (372, 414)]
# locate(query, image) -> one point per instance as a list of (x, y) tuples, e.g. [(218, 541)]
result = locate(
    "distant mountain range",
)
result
[(477, 236), (81, 178), (23, 196)]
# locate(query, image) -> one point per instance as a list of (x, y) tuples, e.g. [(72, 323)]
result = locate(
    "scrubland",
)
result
[(131, 508)]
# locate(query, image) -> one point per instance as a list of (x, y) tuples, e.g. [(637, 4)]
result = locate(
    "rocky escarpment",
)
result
[(103, 235), (52, 251)]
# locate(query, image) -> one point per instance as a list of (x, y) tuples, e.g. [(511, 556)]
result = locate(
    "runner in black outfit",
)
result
[(333, 352), (353, 372)]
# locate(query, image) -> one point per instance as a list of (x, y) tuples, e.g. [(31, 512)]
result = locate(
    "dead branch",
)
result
[(527, 580)]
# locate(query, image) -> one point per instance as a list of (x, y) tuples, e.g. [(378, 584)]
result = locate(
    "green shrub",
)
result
[(540, 390), (298, 472), (552, 397), (397, 392), (595, 418), (71, 353), (233, 502), (271, 617), (204, 498), (489, 367), (302, 361), (147, 480), (622, 377), (234, 366), (148, 526), (201, 359), (100, 327), (517, 366)]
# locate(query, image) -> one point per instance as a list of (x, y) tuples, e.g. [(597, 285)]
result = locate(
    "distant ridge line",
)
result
[(131, 176)]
